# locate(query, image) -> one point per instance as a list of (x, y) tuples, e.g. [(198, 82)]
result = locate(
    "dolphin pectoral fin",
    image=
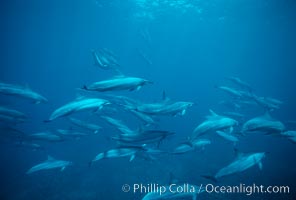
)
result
[(230, 130), (260, 165), (203, 148), (98, 109), (183, 112), (63, 168), (50, 158), (132, 157), (138, 88)]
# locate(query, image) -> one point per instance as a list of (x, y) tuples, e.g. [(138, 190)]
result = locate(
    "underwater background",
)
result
[(189, 47)]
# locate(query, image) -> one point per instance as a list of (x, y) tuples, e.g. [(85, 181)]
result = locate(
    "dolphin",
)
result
[(145, 34), (183, 148), (231, 91), (143, 137), (268, 103), (79, 104), (118, 124), (92, 127), (200, 143), (124, 151), (99, 61), (146, 119), (191, 146), (240, 83), (240, 164), (10, 119), (105, 59), (228, 136), (11, 116), (263, 123), (144, 57), (164, 108), (29, 145), (214, 122), (71, 133), (45, 136), (173, 109), (12, 113), (50, 163), (20, 91), (118, 83)]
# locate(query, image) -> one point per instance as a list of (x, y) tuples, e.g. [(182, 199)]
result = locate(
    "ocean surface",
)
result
[(187, 49)]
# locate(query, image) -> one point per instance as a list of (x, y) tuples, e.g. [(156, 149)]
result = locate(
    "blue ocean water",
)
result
[(187, 49)]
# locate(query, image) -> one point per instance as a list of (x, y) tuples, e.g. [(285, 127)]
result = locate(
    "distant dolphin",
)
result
[(125, 151), (50, 163), (164, 107), (45, 136), (118, 83), (191, 146), (228, 136), (71, 133), (240, 164), (240, 83), (92, 127), (11, 116), (146, 119), (118, 124), (12, 113), (20, 91), (141, 137)]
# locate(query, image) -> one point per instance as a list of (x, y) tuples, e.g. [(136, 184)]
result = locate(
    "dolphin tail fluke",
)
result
[(212, 178), (90, 163)]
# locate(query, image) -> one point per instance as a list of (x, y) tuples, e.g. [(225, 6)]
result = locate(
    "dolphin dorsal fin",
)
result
[(267, 115), (260, 165), (172, 178), (213, 113), (79, 97), (144, 146), (27, 86), (164, 96), (50, 158), (132, 157), (119, 74)]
